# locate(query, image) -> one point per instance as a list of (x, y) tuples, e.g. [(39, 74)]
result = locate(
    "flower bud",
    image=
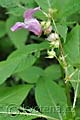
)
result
[(51, 54), (53, 37), (54, 40), (50, 10), (48, 30), (43, 23), (48, 23), (55, 44), (46, 26)]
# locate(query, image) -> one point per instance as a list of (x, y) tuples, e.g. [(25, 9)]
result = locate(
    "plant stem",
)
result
[(65, 66), (67, 88), (29, 114), (75, 97), (76, 91), (61, 50), (49, 3)]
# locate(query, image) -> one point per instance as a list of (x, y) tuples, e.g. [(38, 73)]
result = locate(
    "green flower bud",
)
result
[(43, 23), (51, 54), (48, 23), (55, 44), (48, 30), (46, 26)]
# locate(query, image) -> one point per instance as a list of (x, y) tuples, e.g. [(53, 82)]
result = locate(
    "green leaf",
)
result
[(77, 109), (44, 4), (8, 3), (72, 46), (53, 72), (29, 49), (68, 8), (12, 111), (20, 60), (62, 30), (14, 95), (71, 71), (16, 11), (2, 28), (40, 16), (44, 45), (15, 65), (5, 44), (54, 4), (31, 75), (18, 37), (49, 96), (31, 3), (16, 117), (71, 7)]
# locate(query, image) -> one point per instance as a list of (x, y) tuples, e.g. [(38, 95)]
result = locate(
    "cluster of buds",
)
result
[(46, 26), (54, 40)]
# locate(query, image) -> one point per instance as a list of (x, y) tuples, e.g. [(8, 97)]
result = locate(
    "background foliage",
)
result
[(31, 85)]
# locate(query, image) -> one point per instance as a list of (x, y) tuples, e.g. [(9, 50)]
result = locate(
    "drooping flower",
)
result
[(30, 23)]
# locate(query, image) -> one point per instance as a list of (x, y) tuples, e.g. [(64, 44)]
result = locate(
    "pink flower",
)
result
[(30, 23)]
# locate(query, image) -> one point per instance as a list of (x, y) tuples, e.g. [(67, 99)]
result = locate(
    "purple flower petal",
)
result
[(28, 14), (29, 23), (18, 25), (34, 26)]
